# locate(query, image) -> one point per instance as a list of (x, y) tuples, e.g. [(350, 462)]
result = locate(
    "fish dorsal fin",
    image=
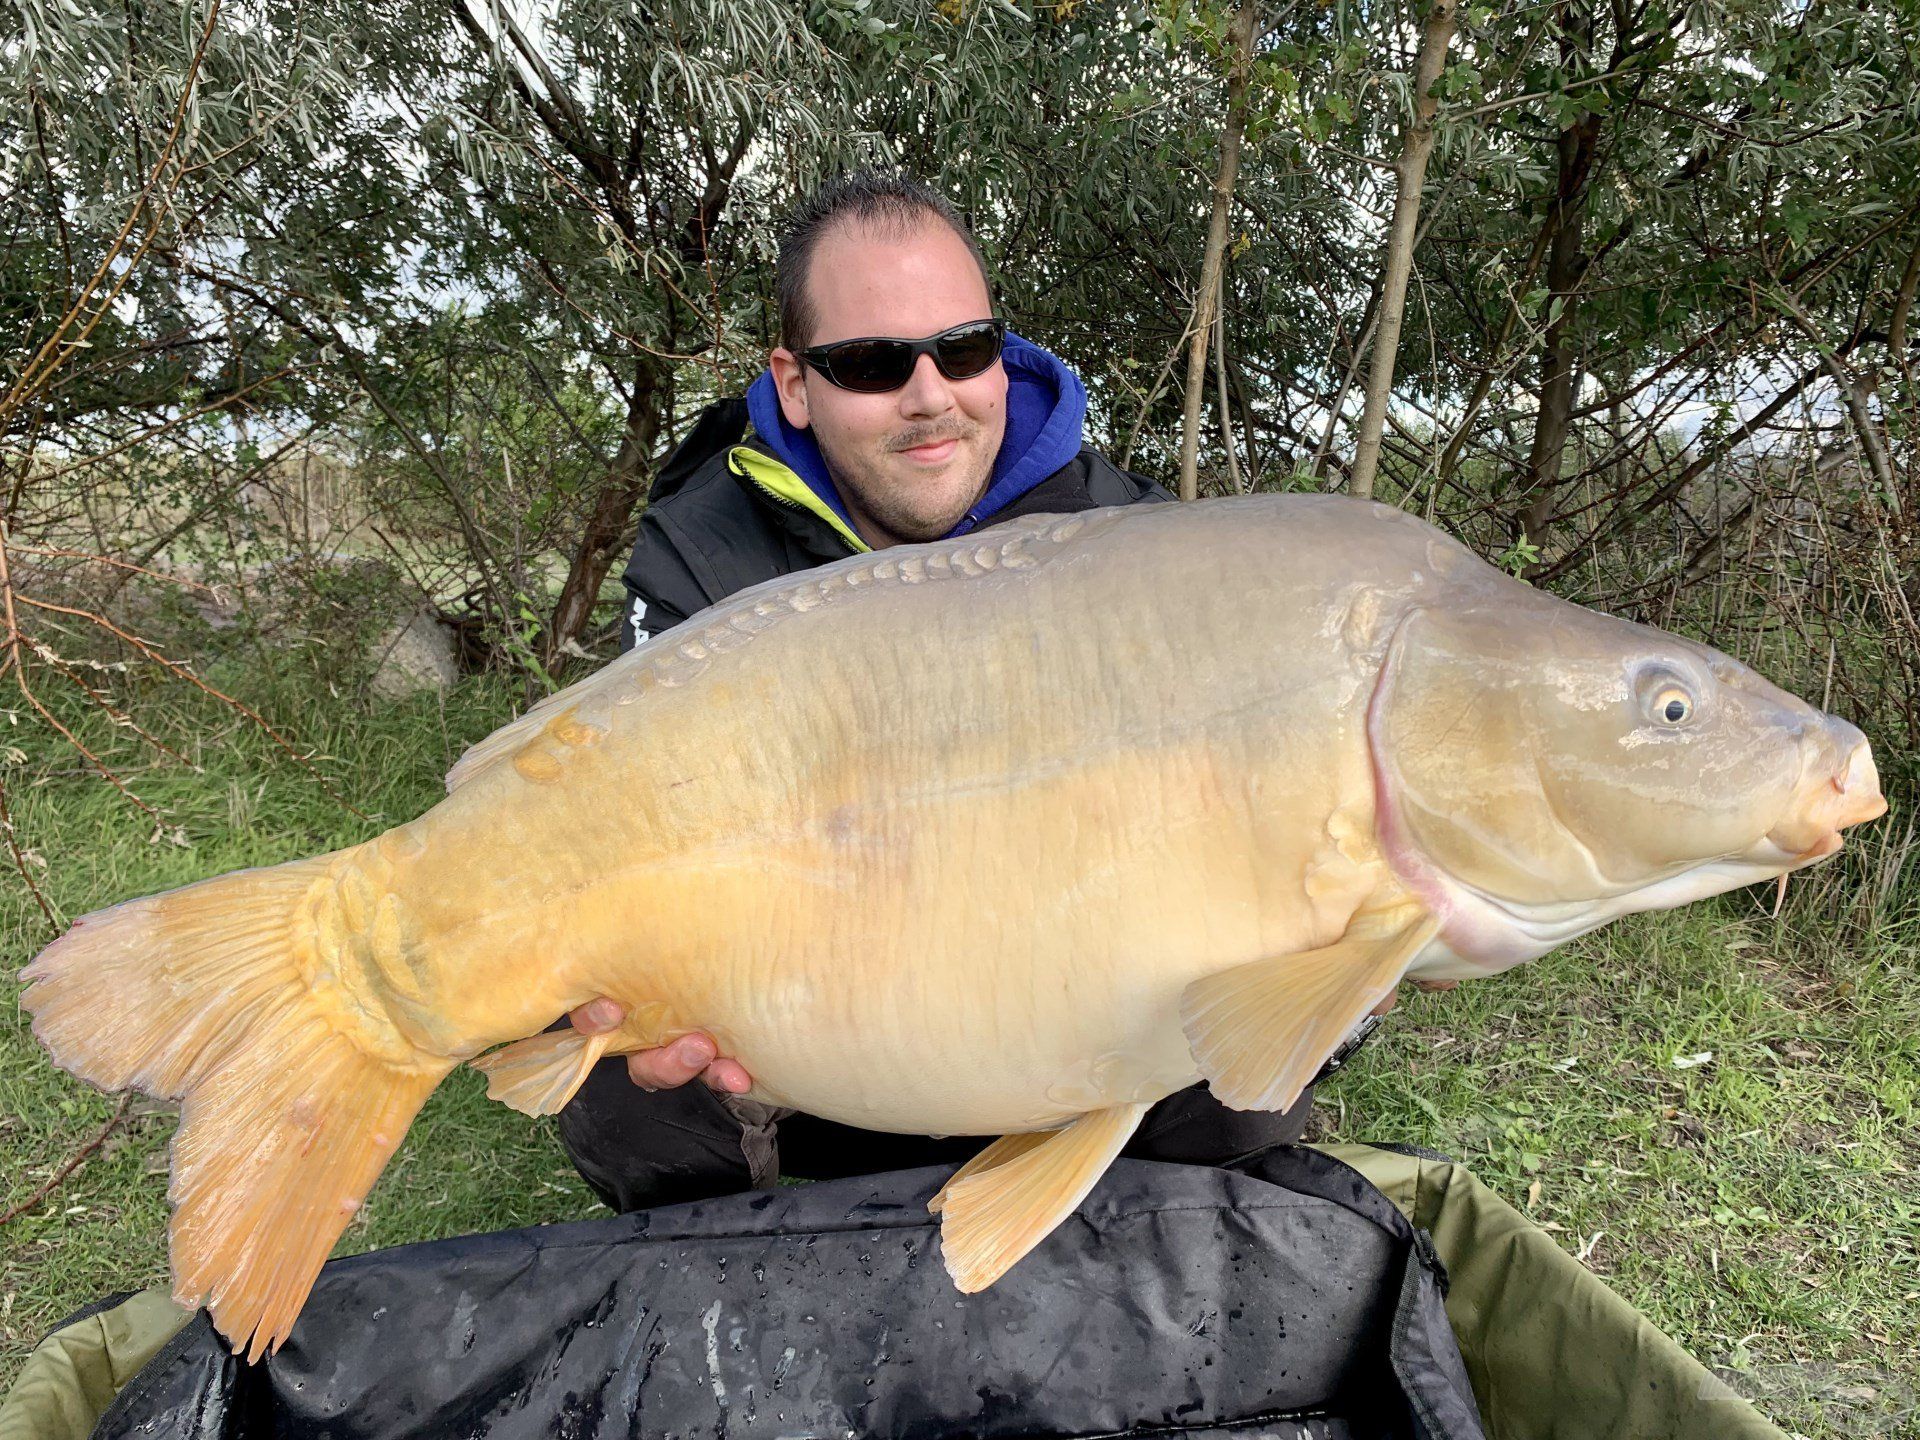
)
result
[(1008, 1198), (675, 656), (1260, 1032), (516, 735)]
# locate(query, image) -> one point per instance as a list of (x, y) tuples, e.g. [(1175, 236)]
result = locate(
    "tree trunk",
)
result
[(1204, 312), (1411, 174), (606, 527), (1559, 374), (1220, 383), (1902, 308)]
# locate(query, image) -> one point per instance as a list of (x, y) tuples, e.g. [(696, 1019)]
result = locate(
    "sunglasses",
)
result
[(875, 364)]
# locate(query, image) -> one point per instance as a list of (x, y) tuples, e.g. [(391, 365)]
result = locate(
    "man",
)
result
[(945, 424)]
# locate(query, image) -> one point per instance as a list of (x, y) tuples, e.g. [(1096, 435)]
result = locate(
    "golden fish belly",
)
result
[(998, 959)]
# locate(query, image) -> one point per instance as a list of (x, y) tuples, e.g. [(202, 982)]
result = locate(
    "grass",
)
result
[(1760, 1205)]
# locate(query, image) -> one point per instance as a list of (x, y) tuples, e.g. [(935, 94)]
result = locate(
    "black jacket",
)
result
[(711, 530)]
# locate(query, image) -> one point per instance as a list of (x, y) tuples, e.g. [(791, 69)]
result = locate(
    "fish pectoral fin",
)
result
[(1260, 1032), (538, 1075), (1006, 1199)]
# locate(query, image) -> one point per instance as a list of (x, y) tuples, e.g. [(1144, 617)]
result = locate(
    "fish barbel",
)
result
[(1009, 835)]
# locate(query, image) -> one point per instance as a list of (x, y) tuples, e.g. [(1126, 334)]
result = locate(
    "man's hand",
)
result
[(666, 1066), (1393, 995)]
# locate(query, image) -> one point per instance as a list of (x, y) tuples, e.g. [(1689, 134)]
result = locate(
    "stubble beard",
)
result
[(894, 504)]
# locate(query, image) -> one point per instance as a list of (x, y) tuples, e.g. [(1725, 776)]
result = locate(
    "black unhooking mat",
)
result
[(1280, 1296)]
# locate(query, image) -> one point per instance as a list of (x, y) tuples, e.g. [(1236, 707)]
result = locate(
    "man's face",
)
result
[(909, 463)]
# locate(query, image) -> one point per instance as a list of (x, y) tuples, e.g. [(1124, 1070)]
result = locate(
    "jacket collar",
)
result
[(792, 498), (1046, 413)]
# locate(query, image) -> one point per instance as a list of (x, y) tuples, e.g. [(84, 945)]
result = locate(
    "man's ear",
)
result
[(790, 380)]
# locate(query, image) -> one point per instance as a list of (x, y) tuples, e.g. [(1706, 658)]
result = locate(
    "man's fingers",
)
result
[(728, 1076), (596, 1017), (666, 1066), (1393, 998)]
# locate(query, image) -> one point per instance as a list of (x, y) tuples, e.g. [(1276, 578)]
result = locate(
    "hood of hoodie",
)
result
[(1046, 412)]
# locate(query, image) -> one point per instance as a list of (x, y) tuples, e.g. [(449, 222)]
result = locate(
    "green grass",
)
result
[(1759, 1206)]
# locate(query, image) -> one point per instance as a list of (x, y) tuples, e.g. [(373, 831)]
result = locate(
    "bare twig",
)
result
[(128, 565), (181, 672), (74, 1162)]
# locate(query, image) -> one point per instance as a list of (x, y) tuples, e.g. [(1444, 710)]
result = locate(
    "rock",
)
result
[(415, 653)]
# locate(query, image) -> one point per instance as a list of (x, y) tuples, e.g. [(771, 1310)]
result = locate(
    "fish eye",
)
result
[(1667, 697), (1673, 705)]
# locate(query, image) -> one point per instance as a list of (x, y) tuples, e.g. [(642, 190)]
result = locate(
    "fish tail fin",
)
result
[(286, 1120), (538, 1075)]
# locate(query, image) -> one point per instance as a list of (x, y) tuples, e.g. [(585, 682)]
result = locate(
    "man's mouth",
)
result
[(934, 452)]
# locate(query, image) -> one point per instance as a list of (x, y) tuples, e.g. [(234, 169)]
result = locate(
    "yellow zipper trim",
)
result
[(782, 483)]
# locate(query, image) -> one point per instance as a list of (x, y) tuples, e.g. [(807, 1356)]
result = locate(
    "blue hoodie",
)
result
[(1046, 410)]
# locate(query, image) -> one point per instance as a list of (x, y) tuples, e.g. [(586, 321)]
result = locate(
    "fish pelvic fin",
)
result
[(286, 1117), (1008, 1198), (1260, 1032), (539, 1075), (1007, 1147)]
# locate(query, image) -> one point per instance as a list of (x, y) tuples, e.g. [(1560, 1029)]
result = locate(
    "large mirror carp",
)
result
[(1011, 835)]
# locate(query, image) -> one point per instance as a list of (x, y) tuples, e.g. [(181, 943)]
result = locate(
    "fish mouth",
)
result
[(1856, 789), (1847, 795)]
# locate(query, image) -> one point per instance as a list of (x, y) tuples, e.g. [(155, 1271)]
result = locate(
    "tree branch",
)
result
[(1435, 37)]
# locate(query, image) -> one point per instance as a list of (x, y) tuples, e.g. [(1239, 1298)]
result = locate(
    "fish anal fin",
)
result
[(1020, 1189), (538, 1075), (1260, 1032)]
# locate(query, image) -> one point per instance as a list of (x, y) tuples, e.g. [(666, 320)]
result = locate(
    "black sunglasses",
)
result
[(875, 364)]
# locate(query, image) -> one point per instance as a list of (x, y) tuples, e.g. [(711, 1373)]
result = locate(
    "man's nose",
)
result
[(926, 391)]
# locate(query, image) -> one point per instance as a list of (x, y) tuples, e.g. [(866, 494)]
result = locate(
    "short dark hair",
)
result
[(891, 201)]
